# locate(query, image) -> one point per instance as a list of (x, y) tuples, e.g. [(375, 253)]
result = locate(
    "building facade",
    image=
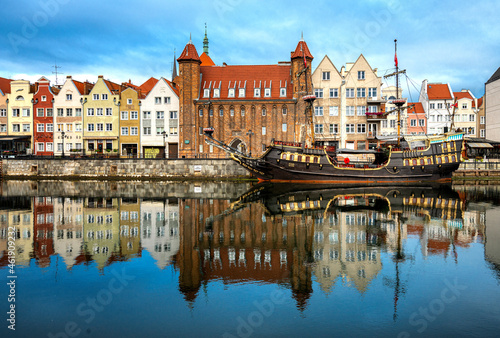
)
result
[(437, 98), (20, 104), (492, 106), (465, 112), (43, 118)]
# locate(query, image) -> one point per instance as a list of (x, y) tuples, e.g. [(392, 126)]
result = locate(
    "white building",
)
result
[(437, 98)]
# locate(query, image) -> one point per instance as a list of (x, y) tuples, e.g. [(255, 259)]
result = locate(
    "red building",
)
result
[(43, 230), (43, 118), (416, 120)]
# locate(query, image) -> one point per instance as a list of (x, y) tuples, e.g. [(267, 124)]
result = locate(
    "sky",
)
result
[(456, 42)]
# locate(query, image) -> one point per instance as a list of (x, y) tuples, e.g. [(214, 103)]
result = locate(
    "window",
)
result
[(231, 111), (349, 111), (432, 105), (318, 128), (326, 76), (482, 133), (40, 147), (26, 112), (216, 93), (372, 92), (210, 112), (264, 111), (39, 112), (242, 111), (482, 120), (283, 92), (206, 92), (319, 93), (100, 127), (361, 110), (221, 112), (284, 110), (15, 112), (146, 131), (78, 127), (40, 127), (349, 128), (124, 131), (3, 128), (334, 92), (200, 112), (440, 106), (16, 128), (50, 146), (318, 111), (241, 92), (60, 127), (349, 92), (134, 131), (472, 118), (173, 130), (334, 128), (104, 96), (124, 115), (267, 92), (384, 124), (60, 112), (3, 112), (361, 75), (44, 98), (69, 97), (78, 112), (372, 109), (146, 115), (129, 101), (421, 122), (464, 105), (283, 127), (159, 130), (109, 126), (361, 128), (26, 128), (95, 97), (413, 123), (90, 112), (50, 127), (134, 115), (99, 112), (361, 92), (333, 111), (231, 92), (157, 100), (160, 115), (263, 130), (90, 127), (69, 112), (392, 123)]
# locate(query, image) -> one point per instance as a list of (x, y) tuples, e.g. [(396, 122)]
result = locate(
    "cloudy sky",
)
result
[(442, 41)]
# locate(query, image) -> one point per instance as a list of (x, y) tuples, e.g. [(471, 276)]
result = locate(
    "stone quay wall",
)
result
[(122, 169)]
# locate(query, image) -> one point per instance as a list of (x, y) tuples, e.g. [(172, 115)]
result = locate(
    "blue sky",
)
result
[(447, 41)]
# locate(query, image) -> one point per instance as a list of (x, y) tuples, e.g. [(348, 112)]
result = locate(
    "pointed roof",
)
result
[(480, 102), (206, 60), (148, 85), (5, 85), (43, 79), (301, 50), (326, 59), (495, 76), (417, 108), (189, 53), (174, 68), (83, 87), (462, 95), (114, 88), (205, 41), (438, 91)]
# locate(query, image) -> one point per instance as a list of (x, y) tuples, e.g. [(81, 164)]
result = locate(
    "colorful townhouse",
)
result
[(4, 90), (160, 120), (68, 119), (130, 124), (20, 108), (347, 105), (101, 121), (416, 119), (437, 98), (43, 118), (465, 112)]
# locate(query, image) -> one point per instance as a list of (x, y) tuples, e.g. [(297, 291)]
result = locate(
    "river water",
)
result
[(164, 259)]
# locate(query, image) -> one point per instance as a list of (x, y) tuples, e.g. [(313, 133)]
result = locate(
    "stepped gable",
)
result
[(438, 91), (248, 77)]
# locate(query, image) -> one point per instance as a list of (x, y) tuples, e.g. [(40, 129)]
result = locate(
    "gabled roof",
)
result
[(327, 60), (206, 60), (148, 85), (5, 85), (83, 87), (189, 53), (43, 79), (480, 102), (172, 86), (248, 77), (438, 91), (114, 88), (495, 76), (302, 50), (416, 109), (462, 95)]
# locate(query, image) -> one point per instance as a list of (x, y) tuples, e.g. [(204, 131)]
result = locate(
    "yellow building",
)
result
[(130, 124), (466, 112), (130, 227), (101, 122), (68, 229), (20, 106)]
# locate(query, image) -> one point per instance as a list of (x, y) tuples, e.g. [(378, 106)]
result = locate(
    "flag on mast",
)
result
[(396, 59)]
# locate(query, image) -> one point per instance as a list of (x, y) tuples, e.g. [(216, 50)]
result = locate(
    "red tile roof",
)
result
[(416, 109), (148, 85), (173, 87), (480, 102), (5, 85), (438, 91), (301, 50), (206, 60), (461, 95), (259, 76), (115, 88), (83, 87), (189, 53)]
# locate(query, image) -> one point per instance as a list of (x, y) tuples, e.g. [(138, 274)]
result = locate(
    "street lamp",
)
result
[(165, 135), (63, 136), (250, 133)]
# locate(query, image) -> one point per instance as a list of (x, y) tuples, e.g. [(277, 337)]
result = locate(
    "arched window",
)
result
[(264, 111), (221, 111), (231, 110), (242, 110), (284, 109), (20, 98)]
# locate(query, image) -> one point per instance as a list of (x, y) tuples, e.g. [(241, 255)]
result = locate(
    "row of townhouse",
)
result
[(247, 105), (86, 118)]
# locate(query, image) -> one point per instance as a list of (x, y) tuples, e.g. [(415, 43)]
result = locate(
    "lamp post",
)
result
[(165, 135), (63, 136), (250, 133), (83, 100)]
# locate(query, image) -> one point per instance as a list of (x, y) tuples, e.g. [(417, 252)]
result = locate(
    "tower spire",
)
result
[(205, 41), (174, 68)]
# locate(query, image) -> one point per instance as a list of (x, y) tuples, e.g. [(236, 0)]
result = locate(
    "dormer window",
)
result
[(231, 92), (267, 92), (216, 92), (44, 98), (256, 92), (241, 92), (206, 92), (283, 92)]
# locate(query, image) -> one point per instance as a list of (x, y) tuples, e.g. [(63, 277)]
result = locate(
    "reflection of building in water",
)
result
[(345, 245), (68, 228), (17, 212), (130, 227), (101, 222), (160, 229), (492, 247), (43, 217), (244, 245)]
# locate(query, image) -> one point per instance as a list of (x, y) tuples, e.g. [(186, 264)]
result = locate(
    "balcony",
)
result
[(375, 100)]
